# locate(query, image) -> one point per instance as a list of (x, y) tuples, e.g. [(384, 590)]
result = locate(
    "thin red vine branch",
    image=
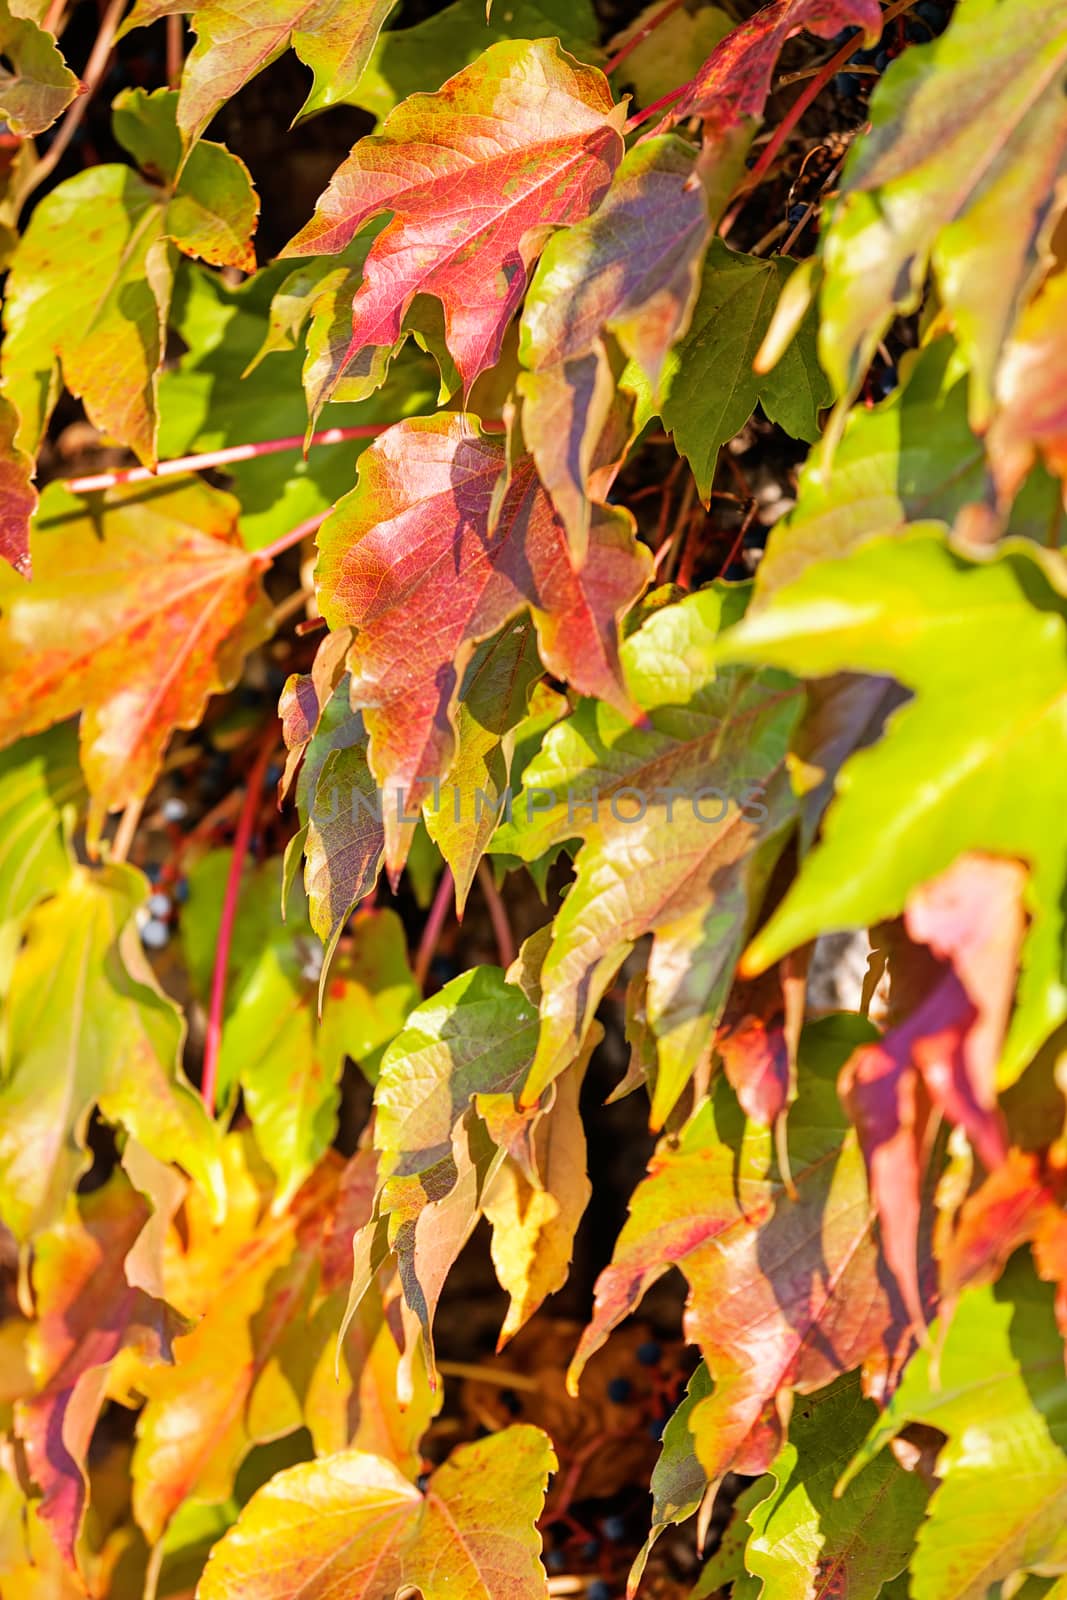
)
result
[(303, 530), (642, 34), (95, 68), (434, 924), (498, 914), (241, 839), (219, 458)]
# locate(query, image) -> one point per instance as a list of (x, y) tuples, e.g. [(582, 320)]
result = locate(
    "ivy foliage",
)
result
[(480, 456)]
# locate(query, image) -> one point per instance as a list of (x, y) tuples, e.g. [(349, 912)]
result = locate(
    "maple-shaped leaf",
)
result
[(784, 1293), (85, 1025), (995, 1386), (104, 332), (731, 89), (709, 387), (41, 793), (986, 699), (353, 1524), (413, 561), (913, 456), (86, 1313), (520, 141), (284, 1056), (630, 270), (964, 130), (681, 818), (234, 43), (472, 1040), (804, 1543), (266, 1288), (418, 59), (41, 86), (143, 604), (18, 497), (679, 1482), (944, 1056)]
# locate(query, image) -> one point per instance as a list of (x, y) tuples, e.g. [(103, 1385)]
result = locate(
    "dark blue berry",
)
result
[(862, 58), (649, 1353), (175, 809), (619, 1391), (656, 1427), (181, 891), (884, 382), (511, 1402), (843, 37), (931, 13), (881, 60), (798, 213), (590, 1549), (274, 772), (421, 1481), (598, 1590), (848, 85), (556, 1560), (614, 1529), (152, 873), (155, 935)]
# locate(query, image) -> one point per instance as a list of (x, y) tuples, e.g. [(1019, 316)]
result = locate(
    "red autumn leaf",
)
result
[(945, 1054), (87, 1311), (143, 603), (784, 1293), (751, 1042), (18, 497), (412, 561), (732, 86), (476, 176), (1021, 1202)]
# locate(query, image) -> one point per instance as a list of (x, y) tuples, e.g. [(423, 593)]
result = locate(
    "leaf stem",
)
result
[(175, 49), (661, 104), (303, 530), (241, 840), (95, 68), (641, 35), (803, 100), (431, 933), (498, 914), (219, 458)]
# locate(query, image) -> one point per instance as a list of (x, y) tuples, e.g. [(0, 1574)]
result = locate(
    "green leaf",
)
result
[(981, 645), (217, 395), (42, 86), (681, 818), (965, 130), (234, 43), (679, 1482), (105, 331), (285, 1058), (710, 388), (807, 1545), (672, 53), (41, 793), (913, 456), (407, 61), (472, 1040), (351, 1523), (85, 1025), (1000, 1394)]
